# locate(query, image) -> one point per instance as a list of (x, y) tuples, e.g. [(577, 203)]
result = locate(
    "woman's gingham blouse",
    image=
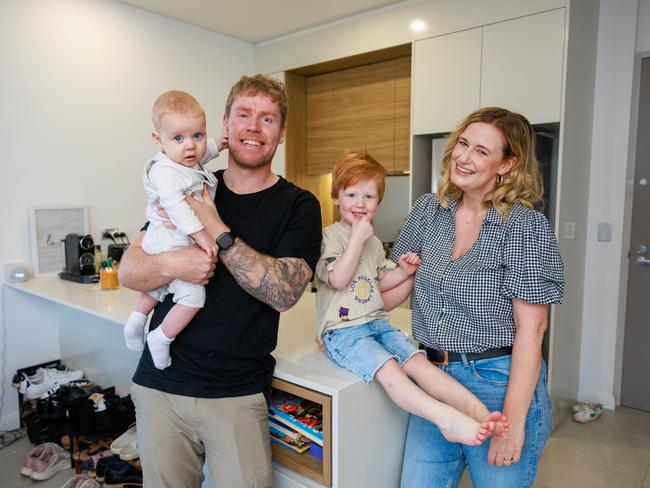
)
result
[(465, 305)]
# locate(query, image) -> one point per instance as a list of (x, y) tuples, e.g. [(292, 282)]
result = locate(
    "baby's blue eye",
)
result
[(178, 138), (198, 136)]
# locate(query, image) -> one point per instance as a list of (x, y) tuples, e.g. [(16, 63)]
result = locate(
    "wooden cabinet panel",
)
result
[(360, 108), (446, 80), (522, 65), (402, 114)]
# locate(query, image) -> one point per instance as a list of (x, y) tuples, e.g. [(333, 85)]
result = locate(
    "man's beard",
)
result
[(259, 164)]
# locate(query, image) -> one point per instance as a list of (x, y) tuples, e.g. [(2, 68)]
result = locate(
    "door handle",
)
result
[(642, 261)]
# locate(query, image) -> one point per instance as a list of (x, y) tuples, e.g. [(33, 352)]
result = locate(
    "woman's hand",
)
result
[(505, 451)]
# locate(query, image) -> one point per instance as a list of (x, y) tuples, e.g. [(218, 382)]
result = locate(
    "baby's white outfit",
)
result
[(168, 182)]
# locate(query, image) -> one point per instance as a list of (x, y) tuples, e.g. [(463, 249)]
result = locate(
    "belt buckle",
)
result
[(445, 360)]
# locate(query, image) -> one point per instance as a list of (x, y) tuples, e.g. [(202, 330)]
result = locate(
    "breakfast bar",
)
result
[(366, 432)]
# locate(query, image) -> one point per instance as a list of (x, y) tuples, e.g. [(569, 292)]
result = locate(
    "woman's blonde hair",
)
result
[(522, 184)]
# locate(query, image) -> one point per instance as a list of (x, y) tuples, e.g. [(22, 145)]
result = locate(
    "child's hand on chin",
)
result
[(362, 229)]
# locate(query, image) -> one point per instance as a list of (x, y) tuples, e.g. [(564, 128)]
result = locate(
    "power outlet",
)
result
[(9, 267), (110, 231)]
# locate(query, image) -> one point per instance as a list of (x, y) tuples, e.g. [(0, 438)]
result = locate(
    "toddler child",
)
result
[(353, 326), (176, 170)]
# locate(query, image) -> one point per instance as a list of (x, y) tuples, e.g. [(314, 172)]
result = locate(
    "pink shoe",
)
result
[(82, 481), (36, 453), (54, 460)]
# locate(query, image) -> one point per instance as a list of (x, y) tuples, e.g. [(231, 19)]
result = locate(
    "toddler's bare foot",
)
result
[(496, 423), (458, 427)]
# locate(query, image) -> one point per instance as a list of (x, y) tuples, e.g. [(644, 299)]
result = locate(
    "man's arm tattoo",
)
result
[(278, 282)]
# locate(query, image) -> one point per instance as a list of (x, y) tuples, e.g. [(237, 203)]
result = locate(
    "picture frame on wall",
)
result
[(49, 227)]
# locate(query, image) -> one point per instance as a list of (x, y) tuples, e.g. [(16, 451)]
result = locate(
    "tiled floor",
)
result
[(612, 452)]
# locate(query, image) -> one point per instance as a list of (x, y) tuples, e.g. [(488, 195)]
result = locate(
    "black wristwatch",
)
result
[(225, 241)]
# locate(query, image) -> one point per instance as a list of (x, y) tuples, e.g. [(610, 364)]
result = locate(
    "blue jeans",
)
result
[(363, 349), (432, 461)]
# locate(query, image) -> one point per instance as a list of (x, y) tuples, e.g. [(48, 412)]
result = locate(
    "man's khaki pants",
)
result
[(177, 433)]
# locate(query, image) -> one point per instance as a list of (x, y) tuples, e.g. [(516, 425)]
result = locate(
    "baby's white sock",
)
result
[(159, 348), (134, 331)]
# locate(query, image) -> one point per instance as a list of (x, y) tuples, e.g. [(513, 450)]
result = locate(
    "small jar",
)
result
[(108, 276)]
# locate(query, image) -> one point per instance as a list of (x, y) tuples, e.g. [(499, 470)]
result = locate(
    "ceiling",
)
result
[(259, 20)]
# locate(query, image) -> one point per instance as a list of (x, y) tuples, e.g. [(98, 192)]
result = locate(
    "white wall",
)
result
[(78, 80), (643, 33), (605, 262)]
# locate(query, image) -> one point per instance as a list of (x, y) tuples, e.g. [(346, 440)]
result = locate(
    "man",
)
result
[(210, 402)]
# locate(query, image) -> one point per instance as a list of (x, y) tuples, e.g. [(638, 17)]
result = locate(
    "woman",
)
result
[(489, 267)]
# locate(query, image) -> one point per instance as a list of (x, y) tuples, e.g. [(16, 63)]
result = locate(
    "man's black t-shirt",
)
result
[(226, 350)]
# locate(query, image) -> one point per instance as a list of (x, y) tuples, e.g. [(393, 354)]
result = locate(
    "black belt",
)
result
[(442, 358)]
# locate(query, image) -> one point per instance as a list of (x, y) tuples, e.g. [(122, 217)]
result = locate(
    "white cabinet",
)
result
[(446, 80), (516, 64), (521, 65)]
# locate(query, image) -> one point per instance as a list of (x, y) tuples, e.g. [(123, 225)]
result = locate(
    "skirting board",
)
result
[(10, 421), (608, 401)]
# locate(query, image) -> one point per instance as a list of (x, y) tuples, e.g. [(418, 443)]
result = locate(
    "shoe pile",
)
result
[(44, 382), (44, 461), (586, 412)]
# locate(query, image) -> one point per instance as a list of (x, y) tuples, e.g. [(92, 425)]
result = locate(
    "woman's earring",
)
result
[(499, 180)]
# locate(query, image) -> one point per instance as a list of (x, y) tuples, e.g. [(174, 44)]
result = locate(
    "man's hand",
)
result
[(204, 241), (409, 263), (207, 213), (189, 264)]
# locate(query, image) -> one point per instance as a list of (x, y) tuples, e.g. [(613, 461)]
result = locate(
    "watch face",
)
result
[(224, 241)]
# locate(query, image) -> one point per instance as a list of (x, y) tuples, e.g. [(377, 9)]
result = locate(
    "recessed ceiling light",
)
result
[(418, 25)]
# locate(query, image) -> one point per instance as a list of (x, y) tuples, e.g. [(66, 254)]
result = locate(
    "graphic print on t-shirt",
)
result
[(363, 289)]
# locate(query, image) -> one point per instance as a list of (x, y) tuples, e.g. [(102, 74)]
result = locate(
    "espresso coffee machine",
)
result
[(79, 259)]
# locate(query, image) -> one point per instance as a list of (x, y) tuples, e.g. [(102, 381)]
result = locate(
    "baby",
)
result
[(352, 281), (176, 170)]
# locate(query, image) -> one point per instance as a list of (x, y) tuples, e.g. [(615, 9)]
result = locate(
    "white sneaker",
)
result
[(47, 380), (57, 459)]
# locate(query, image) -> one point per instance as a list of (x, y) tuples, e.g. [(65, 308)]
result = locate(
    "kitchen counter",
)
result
[(298, 359), (367, 429)]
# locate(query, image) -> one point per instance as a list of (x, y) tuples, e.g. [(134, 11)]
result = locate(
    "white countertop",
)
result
[(298, 359), (112, 305)]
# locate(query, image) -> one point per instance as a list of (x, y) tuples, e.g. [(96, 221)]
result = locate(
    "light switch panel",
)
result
[(569, 230), (604, 232)]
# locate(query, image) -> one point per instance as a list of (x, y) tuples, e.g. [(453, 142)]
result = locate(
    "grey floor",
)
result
[(612, 452)]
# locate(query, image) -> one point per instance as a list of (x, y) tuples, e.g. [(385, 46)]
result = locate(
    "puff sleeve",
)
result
[(533, 266)]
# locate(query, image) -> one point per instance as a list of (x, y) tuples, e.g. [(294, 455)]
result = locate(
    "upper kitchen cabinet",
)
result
[(446, 80), (360, 108), (521, 65), (515, 64)]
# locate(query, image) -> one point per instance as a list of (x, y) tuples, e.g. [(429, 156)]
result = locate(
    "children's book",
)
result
[(286, 437), (303, 416)]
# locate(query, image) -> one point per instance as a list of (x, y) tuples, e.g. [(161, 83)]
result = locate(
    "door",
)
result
[(635, 385)]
